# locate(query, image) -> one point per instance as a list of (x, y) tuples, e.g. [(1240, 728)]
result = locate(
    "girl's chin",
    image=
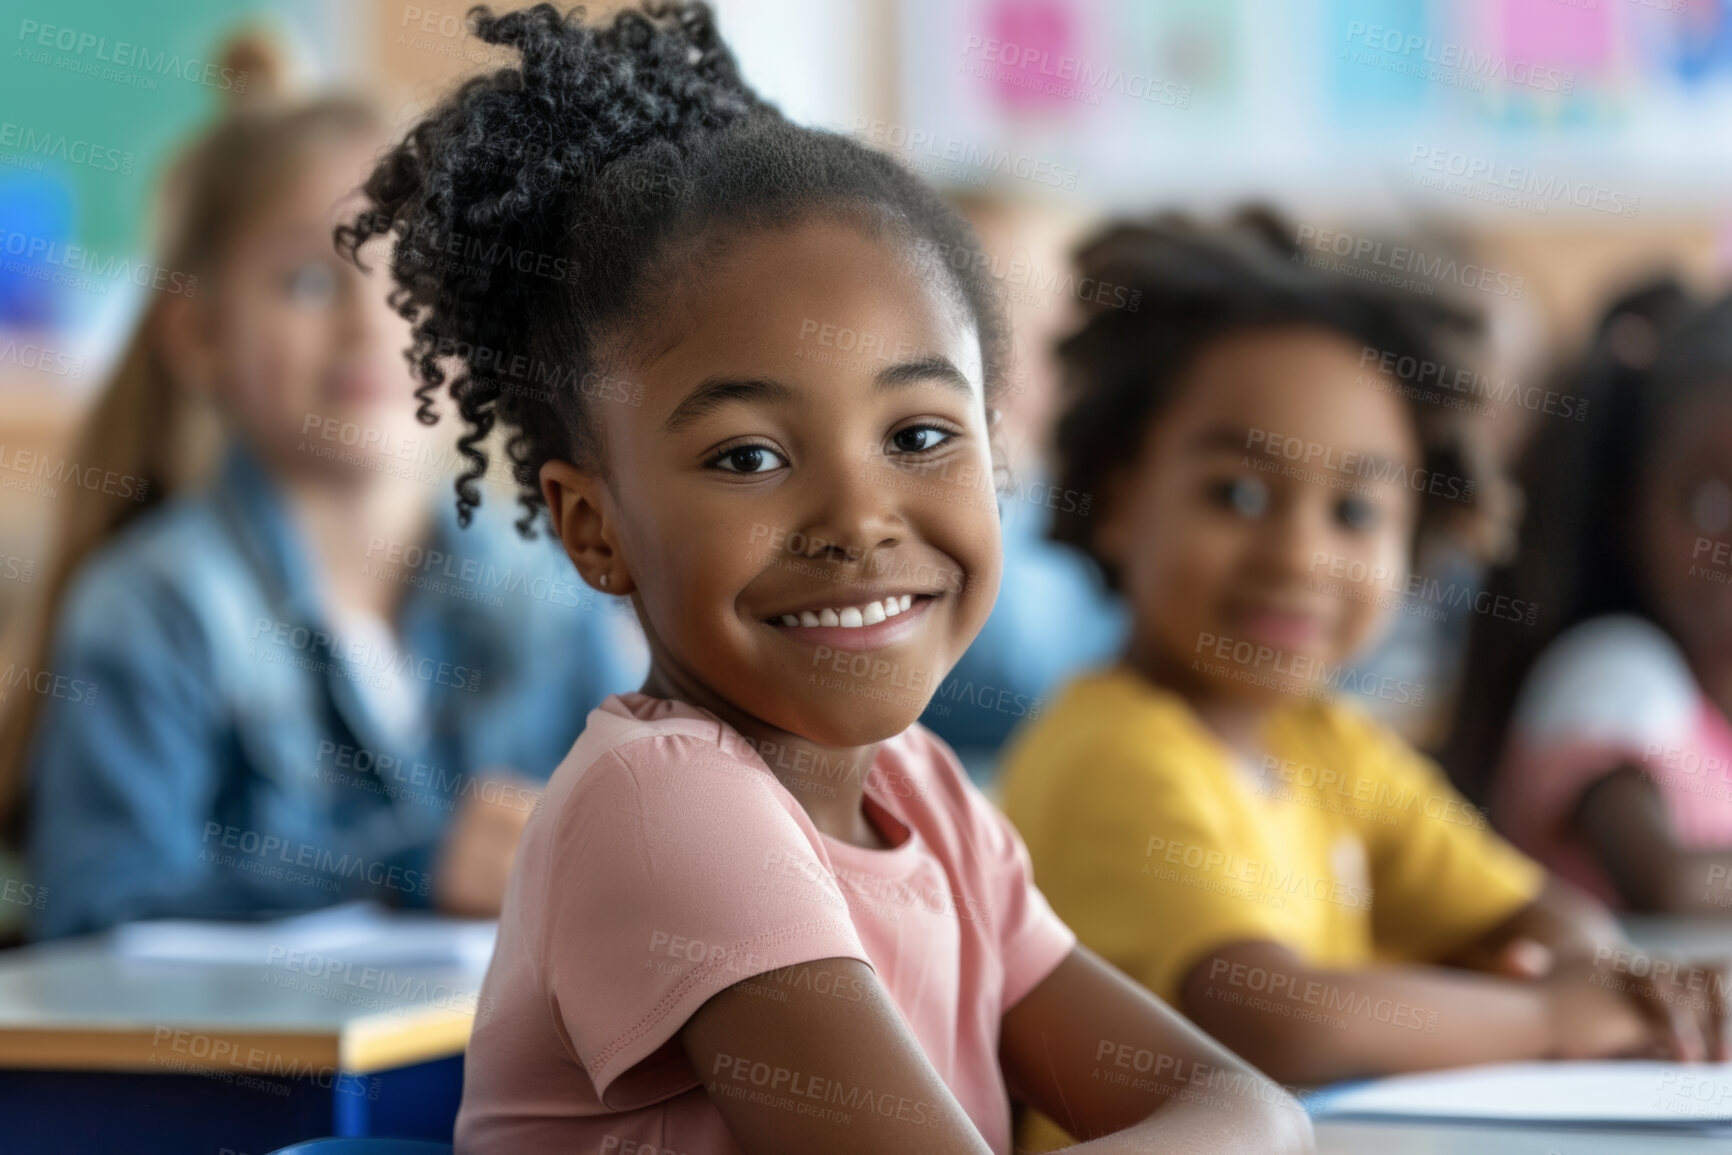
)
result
[(853, 723)]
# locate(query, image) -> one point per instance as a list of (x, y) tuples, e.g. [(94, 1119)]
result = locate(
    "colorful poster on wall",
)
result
[(1376, 66)]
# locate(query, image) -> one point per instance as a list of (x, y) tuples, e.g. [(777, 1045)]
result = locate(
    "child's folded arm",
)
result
[(1561, 924), (1565, 927), (1624, 821), (1305, 1024), (812, 1071), (1121, 1070)]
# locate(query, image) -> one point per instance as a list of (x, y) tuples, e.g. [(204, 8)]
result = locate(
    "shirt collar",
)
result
[(259, 518)]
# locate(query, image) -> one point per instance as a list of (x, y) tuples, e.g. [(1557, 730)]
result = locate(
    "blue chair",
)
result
[(365, 1147)]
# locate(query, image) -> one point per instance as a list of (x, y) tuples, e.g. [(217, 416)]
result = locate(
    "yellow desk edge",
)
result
[(362, 1046)]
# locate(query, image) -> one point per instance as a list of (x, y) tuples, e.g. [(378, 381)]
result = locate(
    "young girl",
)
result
[(1201, 813), (1611, 710), (295, 682), (762, 910)]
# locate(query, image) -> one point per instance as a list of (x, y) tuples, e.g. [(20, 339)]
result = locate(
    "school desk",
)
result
[(106, 1054), (1688, 938), (1346, 1138)]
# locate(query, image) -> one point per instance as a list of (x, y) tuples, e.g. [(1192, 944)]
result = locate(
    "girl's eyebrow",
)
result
[(716, 392), (933, 368), (1225, 439), (1221, 439)]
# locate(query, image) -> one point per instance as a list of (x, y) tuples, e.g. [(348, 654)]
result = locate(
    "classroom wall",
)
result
[(842, 63)]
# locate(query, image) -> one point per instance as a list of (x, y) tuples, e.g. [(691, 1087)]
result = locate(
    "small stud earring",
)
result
[(603, 581)]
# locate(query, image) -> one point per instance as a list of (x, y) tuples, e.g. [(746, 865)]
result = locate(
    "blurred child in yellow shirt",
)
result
[(1264, 450)]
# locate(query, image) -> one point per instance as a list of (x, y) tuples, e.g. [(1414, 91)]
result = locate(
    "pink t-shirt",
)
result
[(669, 863), (1610, 692)]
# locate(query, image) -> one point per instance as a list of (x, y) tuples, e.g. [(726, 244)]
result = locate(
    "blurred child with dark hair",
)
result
[(1600, 733), (1204, 813), (305, 683)]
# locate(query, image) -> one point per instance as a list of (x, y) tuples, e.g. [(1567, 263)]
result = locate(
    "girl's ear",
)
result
[(183, 335), (574, 505), (1111, 537)]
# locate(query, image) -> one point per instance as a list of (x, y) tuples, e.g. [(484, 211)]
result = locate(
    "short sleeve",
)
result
[(1131, 879), (675, 872), (1032, 940), (1602, 695), (1442, 877), (1616, 680)]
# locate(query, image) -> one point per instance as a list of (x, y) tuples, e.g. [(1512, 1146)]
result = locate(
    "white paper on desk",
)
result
[(1661, 1095), (362, 934)]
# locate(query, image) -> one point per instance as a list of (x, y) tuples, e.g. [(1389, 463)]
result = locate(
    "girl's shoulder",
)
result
[(662, 782), (1614, 675), (160, 567), (1110, 719), (649, 739)]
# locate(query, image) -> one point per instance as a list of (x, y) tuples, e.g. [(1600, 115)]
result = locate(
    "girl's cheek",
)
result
[(275, 371), (1175, 584)]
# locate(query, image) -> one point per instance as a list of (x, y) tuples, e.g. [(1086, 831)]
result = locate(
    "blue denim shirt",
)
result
[(213, 753)]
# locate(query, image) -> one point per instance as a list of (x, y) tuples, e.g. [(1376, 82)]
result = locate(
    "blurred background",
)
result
[(1531, 155), (1528, 159)]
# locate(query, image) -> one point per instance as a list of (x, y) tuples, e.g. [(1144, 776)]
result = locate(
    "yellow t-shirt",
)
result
[(1346, 846)]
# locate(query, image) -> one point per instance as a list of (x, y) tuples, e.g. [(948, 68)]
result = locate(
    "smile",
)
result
[(868, 626), (851, 617)]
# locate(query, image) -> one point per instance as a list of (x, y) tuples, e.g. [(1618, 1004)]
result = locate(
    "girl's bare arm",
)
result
[(817, 1057), (1124, 1072)]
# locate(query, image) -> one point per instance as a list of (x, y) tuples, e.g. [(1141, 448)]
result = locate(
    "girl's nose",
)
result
[(857, 508), (1287, 541), (364, 315)]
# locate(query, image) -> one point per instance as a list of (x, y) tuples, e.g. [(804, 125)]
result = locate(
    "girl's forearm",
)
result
[(1270, 1124), (1310, 1026), (1386, 1022)]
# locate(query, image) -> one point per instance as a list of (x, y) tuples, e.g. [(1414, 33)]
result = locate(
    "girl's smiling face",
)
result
[(802, 503), (1266, 521), (304, 352)]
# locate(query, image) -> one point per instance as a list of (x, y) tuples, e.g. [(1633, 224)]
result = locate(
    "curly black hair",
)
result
[(1655, 344), (540, 207), (1201, 284)]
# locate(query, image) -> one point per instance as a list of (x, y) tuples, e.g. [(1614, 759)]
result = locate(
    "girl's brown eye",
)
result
[(919, 438), (1245, 496), (311, 284), (1356, 514), (747, 459)]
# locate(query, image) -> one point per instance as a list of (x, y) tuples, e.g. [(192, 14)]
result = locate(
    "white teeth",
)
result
[(852, 617)]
